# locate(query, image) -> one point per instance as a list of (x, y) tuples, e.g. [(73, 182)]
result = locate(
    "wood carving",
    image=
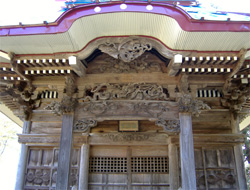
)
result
[(237, 98), (169, 125), (17, 68), (220, 175), (67, 105), (70, 85), (127, 137), (128, 50), (84, 124), (184, 85), (132, 109), (139, 65), (38, 177), (136, 91), (188, 104), (237, 67), (27, 99)]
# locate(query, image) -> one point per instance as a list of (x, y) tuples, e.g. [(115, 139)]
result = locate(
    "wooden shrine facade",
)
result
[(127, 112)]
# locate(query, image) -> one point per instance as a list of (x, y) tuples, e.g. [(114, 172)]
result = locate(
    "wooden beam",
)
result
[(77, 66), (174, 65), (211, 139)]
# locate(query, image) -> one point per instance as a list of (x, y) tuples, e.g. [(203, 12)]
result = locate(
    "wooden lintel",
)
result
[(159, 78), (200, 139), (206, 79), (128, 139), (44, 139)]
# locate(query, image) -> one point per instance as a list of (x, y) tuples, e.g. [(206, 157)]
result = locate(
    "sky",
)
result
[(36, 11), (10, 157)]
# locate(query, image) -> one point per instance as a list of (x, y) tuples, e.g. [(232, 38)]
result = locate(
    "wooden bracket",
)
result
[(236, 68), (77, 66), (174, 65)]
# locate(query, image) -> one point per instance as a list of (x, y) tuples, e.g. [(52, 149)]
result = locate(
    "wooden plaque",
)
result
[(128, 126)]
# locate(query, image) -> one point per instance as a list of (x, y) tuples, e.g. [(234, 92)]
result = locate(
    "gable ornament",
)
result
[(128, 50)]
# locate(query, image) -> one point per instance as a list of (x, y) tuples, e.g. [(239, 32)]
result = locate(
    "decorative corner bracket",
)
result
[(172, 126), (83, 125), (192, 105), (67, 105)]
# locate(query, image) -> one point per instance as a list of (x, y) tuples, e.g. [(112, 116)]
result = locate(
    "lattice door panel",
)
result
[(130, 172)]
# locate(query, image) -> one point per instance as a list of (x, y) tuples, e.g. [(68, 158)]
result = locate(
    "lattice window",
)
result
[(150, 164), (120, 165), (107, 165)]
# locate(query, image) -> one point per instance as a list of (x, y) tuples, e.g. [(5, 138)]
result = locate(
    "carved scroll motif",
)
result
[(128, 137), (67, 105), (189, 104), (216, 177), (113, 65), (128, 50), (84, 124), (137, 91), (132, 109), (169, 125)]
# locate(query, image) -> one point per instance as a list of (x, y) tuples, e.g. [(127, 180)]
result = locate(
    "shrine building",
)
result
[(134, 95)]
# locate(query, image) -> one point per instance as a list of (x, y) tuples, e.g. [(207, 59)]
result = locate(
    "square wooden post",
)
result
[(188, 176), (64, 157)]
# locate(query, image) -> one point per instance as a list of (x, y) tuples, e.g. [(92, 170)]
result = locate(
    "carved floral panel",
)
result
[(215, 168), (41, 170)]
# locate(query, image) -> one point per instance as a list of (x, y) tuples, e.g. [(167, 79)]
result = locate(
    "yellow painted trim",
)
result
[(245, 123), (6, 111)]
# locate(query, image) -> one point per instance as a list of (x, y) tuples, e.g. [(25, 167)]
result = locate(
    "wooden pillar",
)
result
[(21, 169), (173, 167), (64, 157), (238, 153), (188, 176), (239, 161), (84, 167)]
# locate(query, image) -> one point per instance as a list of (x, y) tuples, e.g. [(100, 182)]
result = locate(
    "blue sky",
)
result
[(36, 11)]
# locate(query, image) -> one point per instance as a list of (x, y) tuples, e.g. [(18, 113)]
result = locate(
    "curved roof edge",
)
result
[(65, 21)]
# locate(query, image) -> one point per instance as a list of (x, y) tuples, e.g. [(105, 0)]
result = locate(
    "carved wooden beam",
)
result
[(17, 68), (77, 66), (236, 68), (174, 65)]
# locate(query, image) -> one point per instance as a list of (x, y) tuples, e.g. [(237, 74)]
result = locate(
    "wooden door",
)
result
[(129, 168)]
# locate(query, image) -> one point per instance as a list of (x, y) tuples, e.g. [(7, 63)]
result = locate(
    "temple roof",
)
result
[(79, 27)]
